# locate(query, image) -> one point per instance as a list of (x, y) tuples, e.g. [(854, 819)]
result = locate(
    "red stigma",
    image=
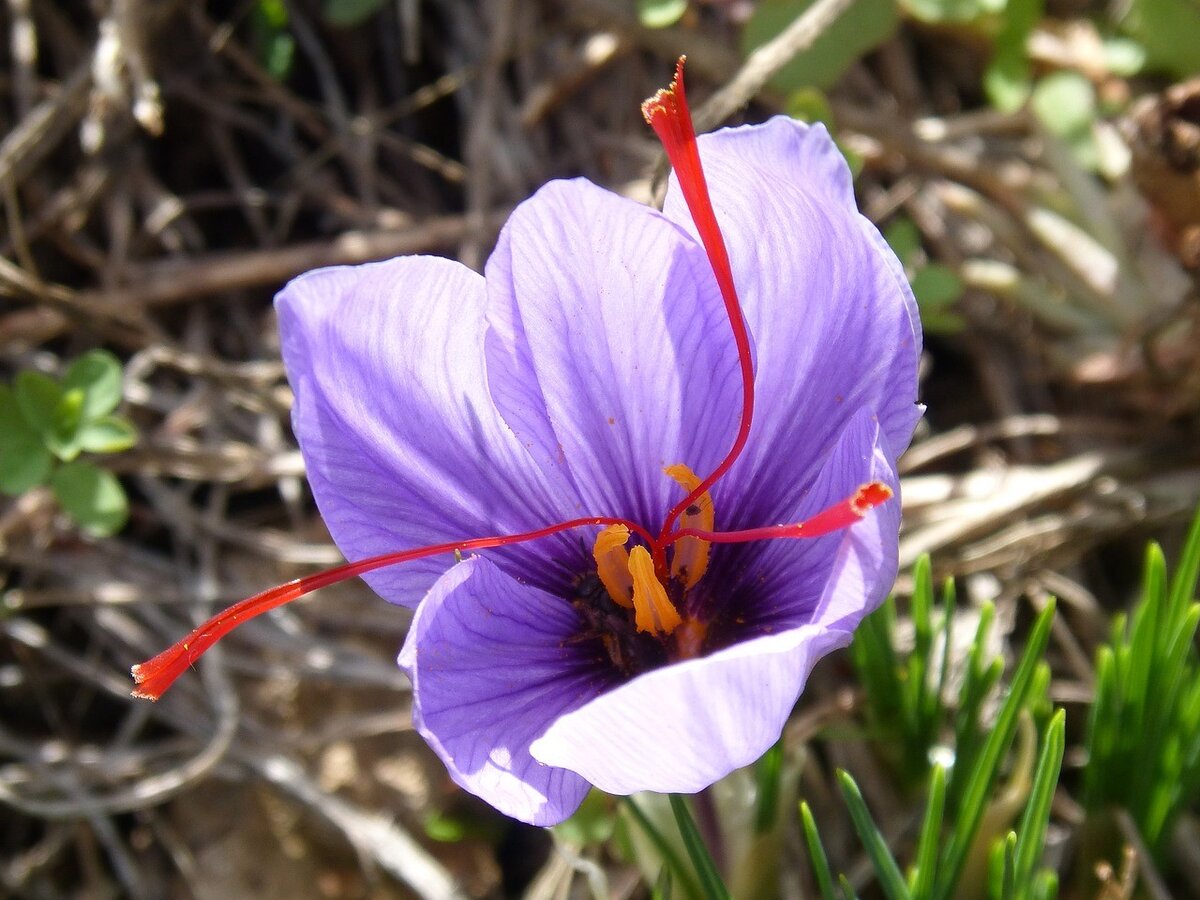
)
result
[(154, 676), (841, 515), (668, 114)]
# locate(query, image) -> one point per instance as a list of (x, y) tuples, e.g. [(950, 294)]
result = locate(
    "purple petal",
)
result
[(491, 668), (834, 322), (610, 353), (682, 727), (400, 436), (833, 580)]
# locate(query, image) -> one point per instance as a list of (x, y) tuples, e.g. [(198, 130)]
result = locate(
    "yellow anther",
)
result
[(612, 564), (653, 611), (690, 559)]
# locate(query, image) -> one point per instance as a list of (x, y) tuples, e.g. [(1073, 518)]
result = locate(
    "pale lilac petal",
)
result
[(833, 319), (609, 353), (401, 439), (492, 666), (682, 727)]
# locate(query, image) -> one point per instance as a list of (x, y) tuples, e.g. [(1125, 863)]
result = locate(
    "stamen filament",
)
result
[(668, 114), (837, 517), (156, 675)]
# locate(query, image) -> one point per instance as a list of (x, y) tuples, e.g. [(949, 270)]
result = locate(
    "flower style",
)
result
[(608, 634)]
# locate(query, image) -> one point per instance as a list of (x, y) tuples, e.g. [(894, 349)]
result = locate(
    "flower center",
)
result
[(634, 582)]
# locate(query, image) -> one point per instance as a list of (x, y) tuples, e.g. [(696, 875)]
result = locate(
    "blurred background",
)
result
[(166, 166)]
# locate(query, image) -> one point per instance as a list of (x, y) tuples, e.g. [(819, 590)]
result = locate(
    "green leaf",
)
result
[(816, 853), (808, 104), (1065, 102), (865, 25), (63, 437), (1007, 78), (886, 870), (768, 772), (107, 434), (666, 850), (349, 13), (702, 862), (592, 823), (24, 460), (1124, 57), (939, 12), (38, 396), (660, 13), (904, 239), (931, 829), (54, 413), (1031, 835), (984, 769), (936, 287), (1167, 29), (1007, 81), (91, 496), (97, 374), (443, 828)]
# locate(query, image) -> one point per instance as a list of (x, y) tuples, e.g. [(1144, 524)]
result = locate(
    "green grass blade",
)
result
[(927, 844), (712, 887), (1007, 888), (890, 877), (1187, 570), (768, 773), (816, 853), (1032, 830), (672, 859), (983, 773)]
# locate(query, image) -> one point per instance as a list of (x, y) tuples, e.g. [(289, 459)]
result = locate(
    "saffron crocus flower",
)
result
[(626, 406)]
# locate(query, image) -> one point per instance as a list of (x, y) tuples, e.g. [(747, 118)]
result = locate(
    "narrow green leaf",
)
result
[(1031, 833), (663, 885), (931, 829), (98, 375), (1045, 885), (816, 853), (891, 879), (706, 870), (107, 434), (1187, 570), (665, 849), (91, 496), (983, 772), (768, 772), (848, 892), (1008, 885)]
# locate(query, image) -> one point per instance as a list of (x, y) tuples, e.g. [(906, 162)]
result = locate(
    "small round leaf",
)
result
[(38, 396), (107, 434), (91, 496), (98, 375), (24, 460), (660, 13)]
